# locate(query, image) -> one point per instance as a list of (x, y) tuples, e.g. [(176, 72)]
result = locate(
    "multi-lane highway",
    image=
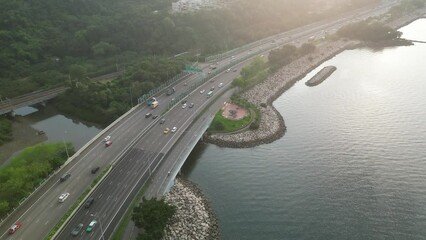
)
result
[(41, 214), (139, 145), (140, 161)]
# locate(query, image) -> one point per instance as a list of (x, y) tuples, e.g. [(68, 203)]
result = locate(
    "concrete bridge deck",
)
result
[(8, 105)]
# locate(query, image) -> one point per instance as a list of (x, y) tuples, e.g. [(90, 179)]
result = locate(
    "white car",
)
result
[(174, 129), (63, 196), (220, 85), (92, 224), (202, 91), (228, 70), (184, 105), (107, 138)]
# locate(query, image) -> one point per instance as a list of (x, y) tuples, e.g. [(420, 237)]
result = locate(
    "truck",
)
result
[(152, 102), (170, 91)]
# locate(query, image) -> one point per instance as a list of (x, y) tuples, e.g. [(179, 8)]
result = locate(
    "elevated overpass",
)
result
[(9, 105)]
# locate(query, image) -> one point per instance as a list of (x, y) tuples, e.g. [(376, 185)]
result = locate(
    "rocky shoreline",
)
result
[(272, 126), (194, 219)]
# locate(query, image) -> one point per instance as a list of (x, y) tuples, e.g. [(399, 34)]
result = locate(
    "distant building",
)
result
[(195, 5)]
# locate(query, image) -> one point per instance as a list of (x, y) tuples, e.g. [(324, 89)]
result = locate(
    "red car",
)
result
[(108, 143), (14, 228)]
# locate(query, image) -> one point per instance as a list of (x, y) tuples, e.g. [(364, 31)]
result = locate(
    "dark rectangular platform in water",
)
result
[(321, 76)]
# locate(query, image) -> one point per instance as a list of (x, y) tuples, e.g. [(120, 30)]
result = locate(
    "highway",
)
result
[(135, 168), (139, 145)]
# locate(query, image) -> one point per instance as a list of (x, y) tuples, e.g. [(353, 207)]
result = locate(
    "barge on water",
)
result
[(321, 76)]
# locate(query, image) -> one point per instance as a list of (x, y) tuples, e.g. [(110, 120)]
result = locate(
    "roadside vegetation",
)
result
[(104, 101), (373, 32), (256, 72), (27, 170), (152, 216), (222, 124), (49, 43), (6, 134), (284, 55)]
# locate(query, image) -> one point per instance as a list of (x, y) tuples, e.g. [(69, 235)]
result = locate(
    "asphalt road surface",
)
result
[(139, 146)]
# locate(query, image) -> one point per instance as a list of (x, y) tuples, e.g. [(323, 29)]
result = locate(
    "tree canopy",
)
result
[(152, 215)]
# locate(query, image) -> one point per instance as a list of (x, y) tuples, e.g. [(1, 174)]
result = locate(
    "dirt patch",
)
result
[(234, 112), (23, 136)]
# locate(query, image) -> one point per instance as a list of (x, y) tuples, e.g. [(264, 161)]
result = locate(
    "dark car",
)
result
[(148, 115), (162, 121), (77, 229), (95, 170), (155, 116), (183, 101), (89, 202), (65, 177)]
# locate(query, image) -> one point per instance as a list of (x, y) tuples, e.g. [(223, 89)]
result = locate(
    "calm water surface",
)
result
[(352, 164), (58, 127)]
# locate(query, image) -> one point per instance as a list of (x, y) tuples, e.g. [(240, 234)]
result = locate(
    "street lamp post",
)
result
[(66, 148), (100, 224)]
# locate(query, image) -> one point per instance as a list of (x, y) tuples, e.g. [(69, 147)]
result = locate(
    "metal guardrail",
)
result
[(162, 87)]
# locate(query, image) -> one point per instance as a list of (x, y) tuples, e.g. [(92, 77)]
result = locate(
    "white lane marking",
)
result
[(110, 182), (108, 197), (125, 186), (46, 222), (100, 196), (38, 220)]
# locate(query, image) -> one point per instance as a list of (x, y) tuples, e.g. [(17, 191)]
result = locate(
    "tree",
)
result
[(103, 49), (152, 215), (77, 71), (307, 48)]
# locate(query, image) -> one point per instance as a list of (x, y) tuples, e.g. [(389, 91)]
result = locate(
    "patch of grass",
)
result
[(27, 171), (222, 124)]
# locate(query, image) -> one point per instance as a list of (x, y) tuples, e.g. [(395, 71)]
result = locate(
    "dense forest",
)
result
[(45, 43)]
